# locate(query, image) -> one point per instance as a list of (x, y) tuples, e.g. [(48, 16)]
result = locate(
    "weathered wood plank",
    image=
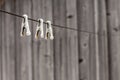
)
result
[(87, 41), (26, 50), (18, 47), (84, 23), (60, 42), (46, 52), (38, 45), (29, 59), (96, 20), (8, 44), (57, 49), (113, 19), (102, 56), (0, 46), (72, 40), (3, 48)]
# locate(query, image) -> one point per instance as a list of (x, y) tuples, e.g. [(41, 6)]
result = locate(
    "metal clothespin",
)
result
[(49, 31), (39, 29), (25, 30)]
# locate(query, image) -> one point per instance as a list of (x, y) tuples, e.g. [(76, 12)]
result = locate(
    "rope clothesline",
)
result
[(78, 30)]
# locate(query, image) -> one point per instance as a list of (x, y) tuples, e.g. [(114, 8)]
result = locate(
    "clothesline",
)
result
[(78, 30)]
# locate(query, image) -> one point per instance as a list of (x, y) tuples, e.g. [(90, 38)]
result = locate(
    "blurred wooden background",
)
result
[(71, 55)]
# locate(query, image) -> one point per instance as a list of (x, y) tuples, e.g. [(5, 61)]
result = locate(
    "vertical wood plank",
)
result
[(0, 46), (26, 50), (87, 46), (3, 48), (18, 45), (96, 20), (38, 45), (83, 7), (57, 49), (113, 19), (72, 40), (49, 46), (46, 52), (60, 42), (102, 55), (18, 53), (8, 42)]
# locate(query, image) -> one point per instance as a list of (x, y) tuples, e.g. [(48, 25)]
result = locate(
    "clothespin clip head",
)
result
[(39, 29), (25, 26), (49, 31)]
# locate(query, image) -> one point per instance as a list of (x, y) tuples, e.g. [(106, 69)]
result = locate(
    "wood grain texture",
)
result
[(102, 40), (9, 45), (18, 45), (72, 40), (46, 52), (37, 45), (26, 54), (1, 48), (114, 39), (60, 42), (71, 55), (87, 59)]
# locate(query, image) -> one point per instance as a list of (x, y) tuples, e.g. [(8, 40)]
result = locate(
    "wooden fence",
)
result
[(71, 55)]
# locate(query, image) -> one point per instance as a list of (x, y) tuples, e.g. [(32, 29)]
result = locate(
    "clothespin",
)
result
[(25, 30), (49, 31), (39, 29)]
